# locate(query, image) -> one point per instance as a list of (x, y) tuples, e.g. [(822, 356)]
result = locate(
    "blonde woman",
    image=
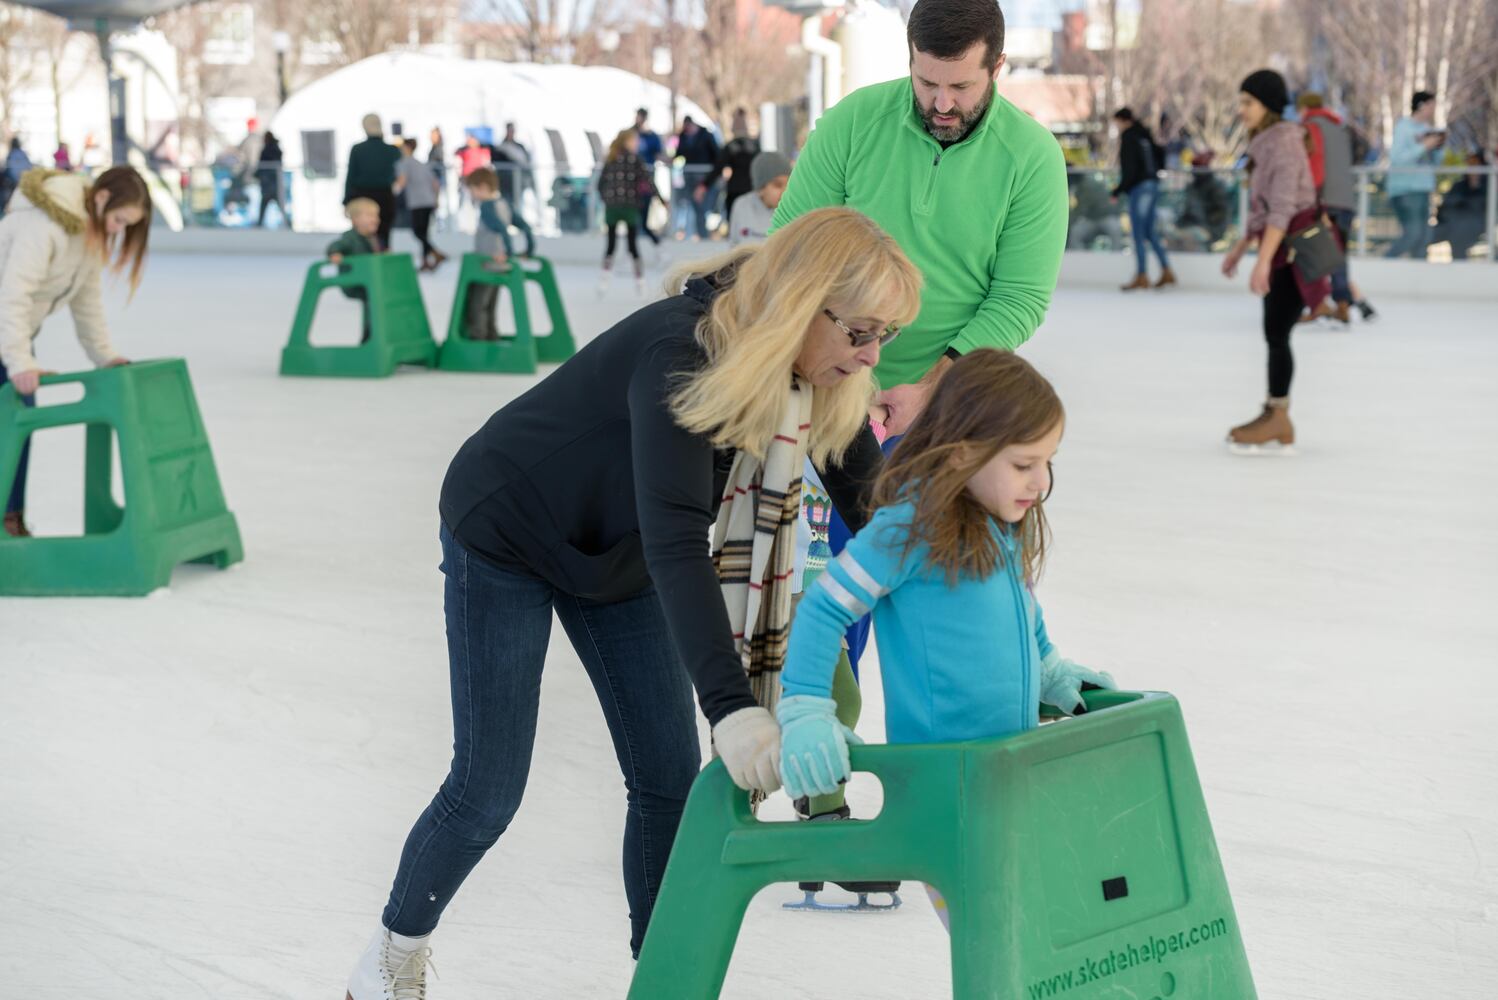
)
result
[(59, 235), (592, 496)]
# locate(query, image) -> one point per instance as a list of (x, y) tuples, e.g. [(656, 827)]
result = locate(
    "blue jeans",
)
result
[(1341, 287), (16, 498), (1142, 200), (498, 625), (1413, 212)]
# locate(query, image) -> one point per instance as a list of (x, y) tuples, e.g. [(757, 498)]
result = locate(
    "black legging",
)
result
[(1282, 309), (632, 230), (421, 224), (385, 198)]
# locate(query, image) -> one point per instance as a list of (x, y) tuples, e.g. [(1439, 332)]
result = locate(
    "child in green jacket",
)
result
[(363, 238)]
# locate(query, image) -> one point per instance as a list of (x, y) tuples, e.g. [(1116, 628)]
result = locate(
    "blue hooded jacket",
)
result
[(958, 662)]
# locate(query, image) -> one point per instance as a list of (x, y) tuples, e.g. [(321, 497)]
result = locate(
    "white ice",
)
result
[(204, 793)]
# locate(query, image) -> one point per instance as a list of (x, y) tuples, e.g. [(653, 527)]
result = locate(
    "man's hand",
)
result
[(116, 362), (904, 403)]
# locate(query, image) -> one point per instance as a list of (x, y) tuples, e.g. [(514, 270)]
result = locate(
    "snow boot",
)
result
[(1140, 281)]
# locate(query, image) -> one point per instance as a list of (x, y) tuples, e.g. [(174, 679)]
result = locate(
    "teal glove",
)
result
[(1061, 682), (813, 746)]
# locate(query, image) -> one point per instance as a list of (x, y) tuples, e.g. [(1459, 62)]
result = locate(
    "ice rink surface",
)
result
[(204, 793)]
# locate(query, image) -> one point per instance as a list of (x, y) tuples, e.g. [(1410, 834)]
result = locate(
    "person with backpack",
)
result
[(1140, 159), (1329, 145)]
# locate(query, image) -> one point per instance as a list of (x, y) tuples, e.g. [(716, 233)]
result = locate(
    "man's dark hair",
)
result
[(1421, 98), (948, 28), (642, 112), (1124, 114)]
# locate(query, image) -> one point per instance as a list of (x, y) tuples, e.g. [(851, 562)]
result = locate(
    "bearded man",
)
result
[(971, 187)]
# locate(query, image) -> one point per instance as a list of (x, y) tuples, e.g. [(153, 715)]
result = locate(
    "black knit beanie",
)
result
[(1269, 87)]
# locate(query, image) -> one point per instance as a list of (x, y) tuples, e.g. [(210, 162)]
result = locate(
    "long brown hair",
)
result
[(987, 401), (623, 143), (124, 188)]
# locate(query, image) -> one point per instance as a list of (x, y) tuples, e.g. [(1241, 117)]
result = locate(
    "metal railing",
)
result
[(553, 198), (1204, 210)]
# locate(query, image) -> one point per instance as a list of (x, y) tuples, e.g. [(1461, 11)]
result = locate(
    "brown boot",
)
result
[(1269, 433), (1343, 313), (1320, 312), (1140, 281), (15, 524), (1167, 277)]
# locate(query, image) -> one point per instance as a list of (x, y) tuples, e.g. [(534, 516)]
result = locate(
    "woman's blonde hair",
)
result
[(623, 143), (771, 295), (987, 401)]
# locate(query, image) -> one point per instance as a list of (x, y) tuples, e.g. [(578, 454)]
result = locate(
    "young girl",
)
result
[(946, 564), (60, 233)]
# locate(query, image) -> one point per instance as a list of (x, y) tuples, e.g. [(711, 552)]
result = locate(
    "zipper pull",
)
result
[(936, 162)]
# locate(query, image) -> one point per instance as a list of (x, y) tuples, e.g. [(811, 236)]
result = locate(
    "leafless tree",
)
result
[(17, 59)]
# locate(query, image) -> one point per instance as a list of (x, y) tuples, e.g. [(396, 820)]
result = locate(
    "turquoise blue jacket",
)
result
[(958, 662), (1408, 151)]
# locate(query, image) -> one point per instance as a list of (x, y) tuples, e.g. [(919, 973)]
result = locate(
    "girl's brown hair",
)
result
[(623, 143), (987, 401), (124, 187)]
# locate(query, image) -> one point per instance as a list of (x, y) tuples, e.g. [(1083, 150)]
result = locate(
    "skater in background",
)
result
[(1415, 146), (60, 234), (491, 238), (620, 181), (371, 174), (421, 187), (749, 220), (1329, 146), (1140, 160), (362, 238), (958, 536), (1281, 203), (650, 147), (590, 496), (512, 164), (735, 157), (268, 174)]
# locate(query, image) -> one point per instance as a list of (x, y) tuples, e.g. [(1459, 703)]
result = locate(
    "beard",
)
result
[(965, 122)]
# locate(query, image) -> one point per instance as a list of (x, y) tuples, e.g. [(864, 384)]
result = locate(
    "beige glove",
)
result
[(749, 743)]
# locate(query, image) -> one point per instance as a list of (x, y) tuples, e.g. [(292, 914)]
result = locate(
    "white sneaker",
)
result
[(603, 283), (387, 971)]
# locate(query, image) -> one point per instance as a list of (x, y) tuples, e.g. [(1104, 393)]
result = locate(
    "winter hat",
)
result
[(1269, 87), (767, 166)]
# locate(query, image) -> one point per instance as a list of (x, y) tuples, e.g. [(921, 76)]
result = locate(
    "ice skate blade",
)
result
[(814, 905), (1271, 450)]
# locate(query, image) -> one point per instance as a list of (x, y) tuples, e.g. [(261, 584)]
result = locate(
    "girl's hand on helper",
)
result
[(1061, 682), (813, 746)]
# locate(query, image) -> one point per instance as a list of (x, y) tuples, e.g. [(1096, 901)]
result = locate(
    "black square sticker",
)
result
[(1115, 888)]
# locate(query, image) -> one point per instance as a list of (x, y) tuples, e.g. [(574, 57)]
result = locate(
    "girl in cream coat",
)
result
[(56, 239)]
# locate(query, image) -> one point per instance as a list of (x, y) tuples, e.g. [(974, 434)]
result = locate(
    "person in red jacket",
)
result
[(1329, 147)]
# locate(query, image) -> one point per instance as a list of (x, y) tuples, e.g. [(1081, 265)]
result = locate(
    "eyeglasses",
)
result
[(862, 338)]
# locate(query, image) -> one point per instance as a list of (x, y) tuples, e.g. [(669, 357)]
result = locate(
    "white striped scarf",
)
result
[(754, 545)]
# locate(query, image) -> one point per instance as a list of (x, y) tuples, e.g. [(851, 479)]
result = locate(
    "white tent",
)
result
[(558, 112)]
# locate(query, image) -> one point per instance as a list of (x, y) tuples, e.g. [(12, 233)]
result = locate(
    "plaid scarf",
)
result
[(754, 545)]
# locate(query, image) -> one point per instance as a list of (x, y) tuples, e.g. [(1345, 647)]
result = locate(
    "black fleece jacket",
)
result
[(587, 482)]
